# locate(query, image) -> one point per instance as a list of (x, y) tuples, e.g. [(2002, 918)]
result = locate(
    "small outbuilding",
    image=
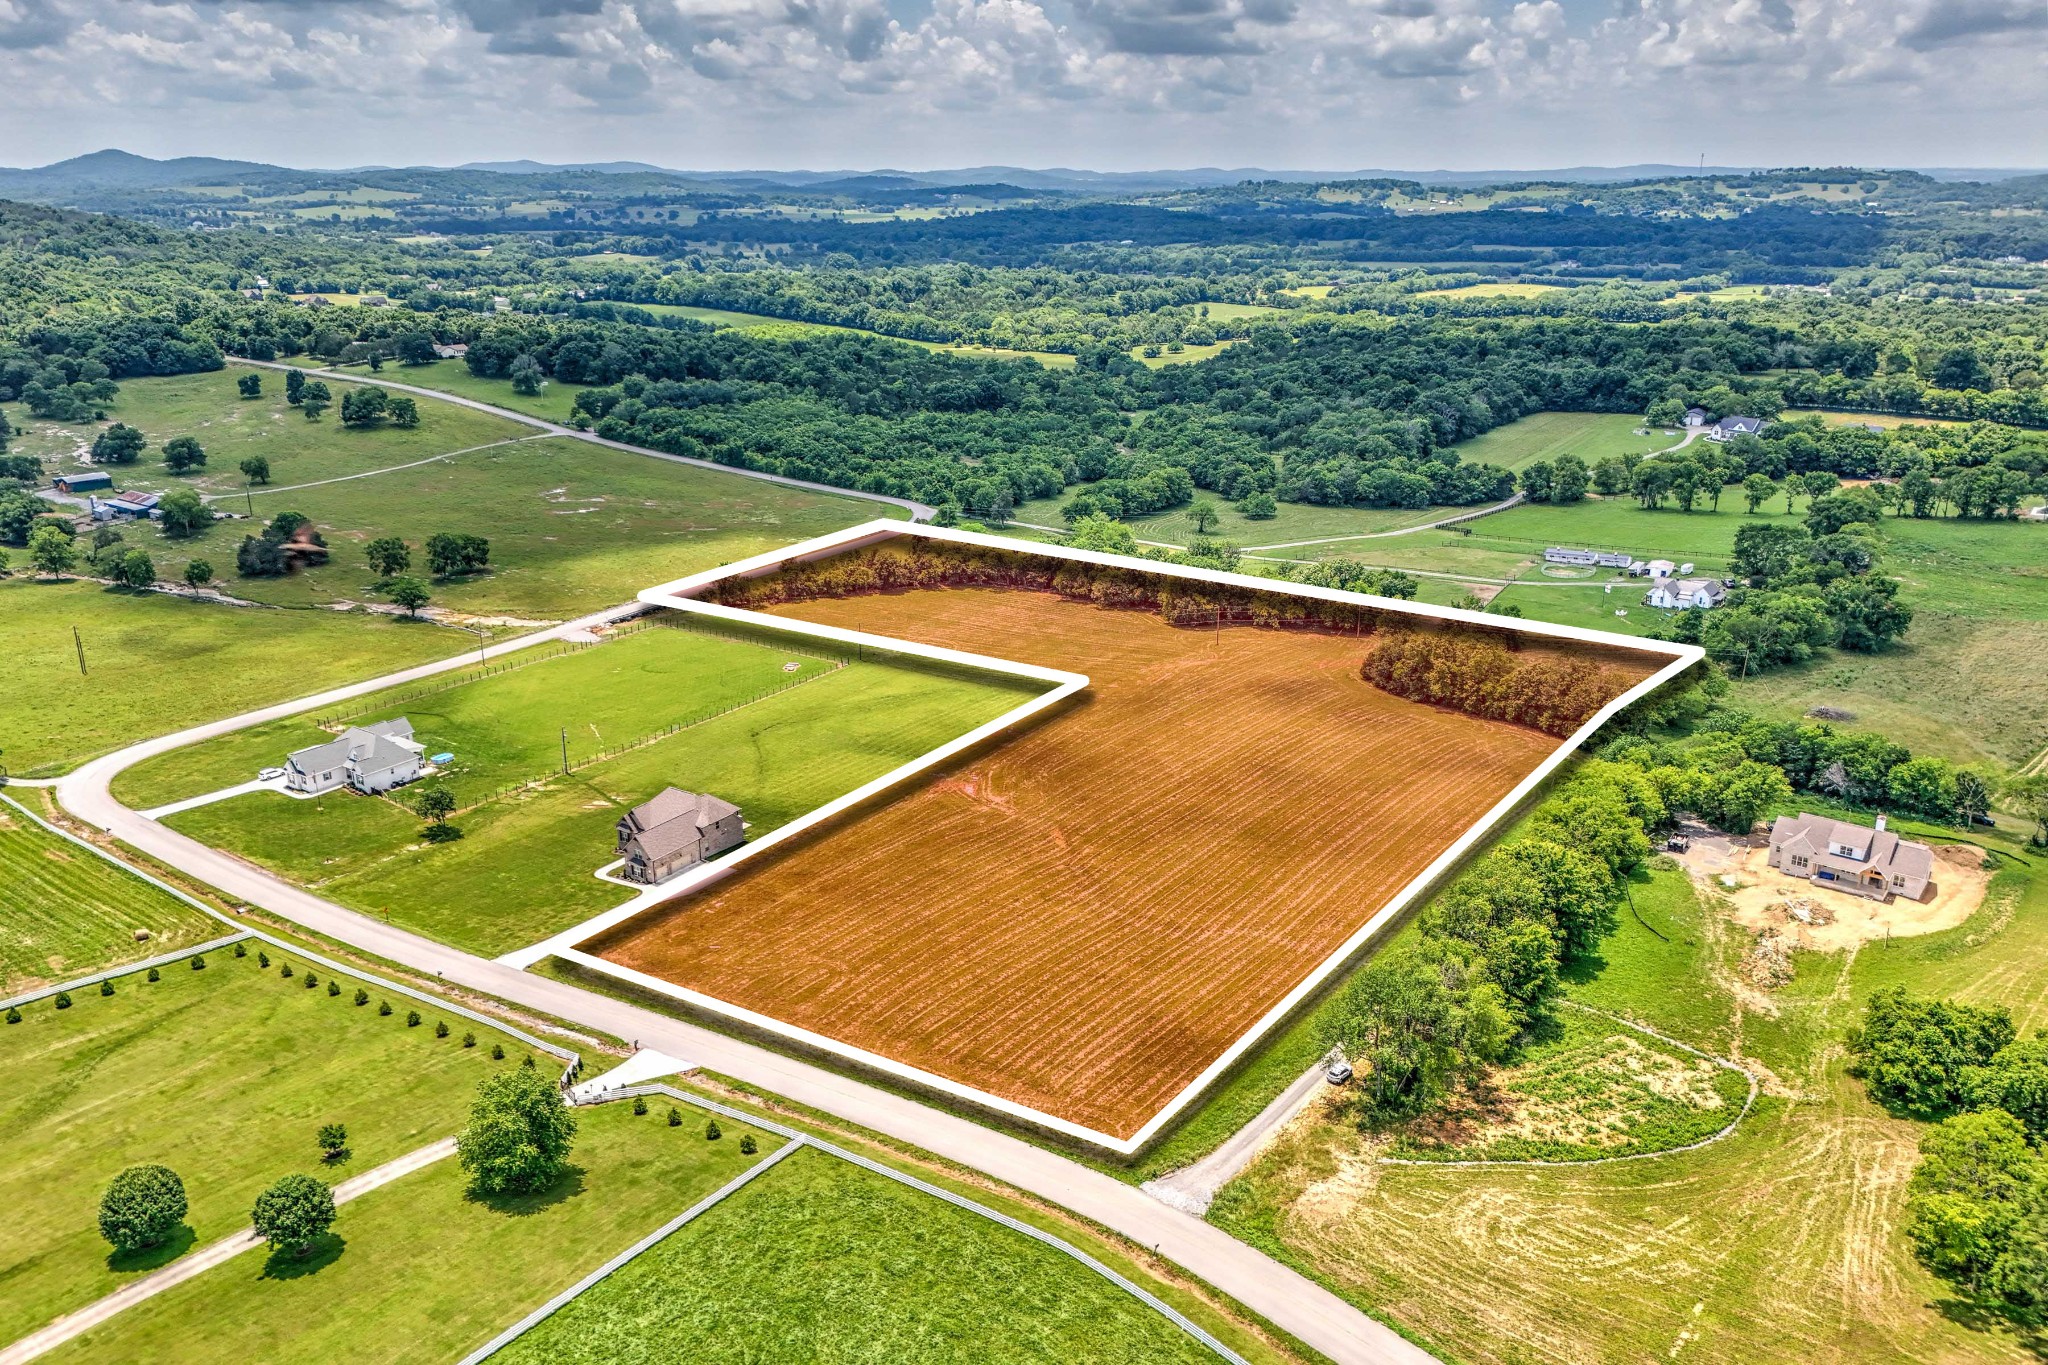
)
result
[(1695, 417), (82, 481), (676, 830)]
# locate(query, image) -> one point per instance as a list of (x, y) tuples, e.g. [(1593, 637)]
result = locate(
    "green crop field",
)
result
[(232, 428), (1508, 290), (525, 863), (65, 916), (223, 1075), (820, 1260), (156, 663), (1781, 1243), (419, 1271), (573, 527), (507, 725)]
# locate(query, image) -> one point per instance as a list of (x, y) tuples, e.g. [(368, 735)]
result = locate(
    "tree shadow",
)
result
[(1984, 1315), (285, 1264), (152, 1258), (1581, 969), (567, 1186)]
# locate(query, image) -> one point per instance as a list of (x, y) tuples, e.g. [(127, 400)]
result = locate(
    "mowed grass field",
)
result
[(820, 1260), (1086, 917), (525, 866), (506, 724), (573, 527), (232, 428), (222, 1074), (1781, 1243), (418, 1271), (1962, 684), (66, 917), (156, 663), (1592, 436)]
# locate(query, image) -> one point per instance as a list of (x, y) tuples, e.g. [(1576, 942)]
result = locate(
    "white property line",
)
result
[(1062, 685), (631, 1253), (573, 1059), (681, 594)]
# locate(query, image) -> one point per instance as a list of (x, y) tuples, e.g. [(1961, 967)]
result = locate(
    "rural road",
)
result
[(918, 511), (1194, 1188), (206, 1258), (1292, 1302)]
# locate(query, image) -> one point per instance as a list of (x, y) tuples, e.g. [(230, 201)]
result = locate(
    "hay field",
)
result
[(1083, 919)]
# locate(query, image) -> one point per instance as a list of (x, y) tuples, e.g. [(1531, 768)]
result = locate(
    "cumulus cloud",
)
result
[(1328, 82)]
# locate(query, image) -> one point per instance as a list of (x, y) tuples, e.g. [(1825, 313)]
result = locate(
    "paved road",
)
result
[(918, 511), (206, 1258), (1297, 1305)]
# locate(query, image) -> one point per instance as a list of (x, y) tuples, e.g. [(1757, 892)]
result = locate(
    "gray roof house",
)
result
[(674, 830), (371, 759), (1728, 428), (1860, 859), (1675, 593), (1695, 417)]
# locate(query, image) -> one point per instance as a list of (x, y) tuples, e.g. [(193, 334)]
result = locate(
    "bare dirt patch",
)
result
[(1083, 919), (1815, 918)]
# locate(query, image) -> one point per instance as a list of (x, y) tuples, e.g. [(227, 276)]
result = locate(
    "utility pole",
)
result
[(79, 641), (250, 500), (565, 749)]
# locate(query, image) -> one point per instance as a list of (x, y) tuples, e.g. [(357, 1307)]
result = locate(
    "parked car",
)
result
[(1339, 1073), (269, 774), (1677, 843)]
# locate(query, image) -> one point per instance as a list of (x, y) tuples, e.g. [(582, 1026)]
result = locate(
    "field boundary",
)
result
[(797, 1140), (1724, 1131), (572, 1059), (681, 596), (160, 960)]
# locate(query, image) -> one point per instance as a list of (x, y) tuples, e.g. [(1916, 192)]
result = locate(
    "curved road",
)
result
[(918, 511), (1290, 1301)]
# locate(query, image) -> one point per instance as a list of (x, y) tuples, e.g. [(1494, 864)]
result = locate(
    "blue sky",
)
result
[(1107, 84)]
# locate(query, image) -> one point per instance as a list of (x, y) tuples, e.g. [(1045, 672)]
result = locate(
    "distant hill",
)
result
[(113, 169), (545, 168)]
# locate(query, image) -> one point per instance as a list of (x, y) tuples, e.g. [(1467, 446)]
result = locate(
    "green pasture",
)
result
[(418, 1270), (1592, 436), (573, 527), (1781, 1243), (512, 722), (223, 1075), (232, 428), (822, 1260), (156, 663), (1513, 289), (66, 916), (525, 865), (554, 403)]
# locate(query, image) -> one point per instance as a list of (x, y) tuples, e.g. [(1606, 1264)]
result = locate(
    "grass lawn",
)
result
[(233, 428), (66, 916), (1592, 436), (554, 402), (1514, 289), (766, 324), (820, 1260), (221, 1074), (419, 1271), (1780, 1243), (525, 863), (573, 527), (505, 726), (156, 663)]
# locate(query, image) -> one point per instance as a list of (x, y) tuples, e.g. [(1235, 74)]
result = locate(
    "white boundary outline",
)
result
[(680, 595)]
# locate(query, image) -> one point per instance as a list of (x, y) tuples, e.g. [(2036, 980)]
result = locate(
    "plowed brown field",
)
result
[(1084, 918)]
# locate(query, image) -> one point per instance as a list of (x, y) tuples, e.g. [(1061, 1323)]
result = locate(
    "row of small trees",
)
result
[(1546, 691)]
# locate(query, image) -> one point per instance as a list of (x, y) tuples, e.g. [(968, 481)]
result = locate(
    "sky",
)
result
[(1097, 84)]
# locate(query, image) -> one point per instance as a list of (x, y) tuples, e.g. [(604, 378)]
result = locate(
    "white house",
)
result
[(1661, 568), (1677, 593), (1855, 858), (366, 758), (1728, 428)]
